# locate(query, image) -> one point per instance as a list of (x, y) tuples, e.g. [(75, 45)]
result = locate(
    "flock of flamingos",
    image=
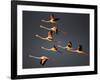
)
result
[(51, 31)]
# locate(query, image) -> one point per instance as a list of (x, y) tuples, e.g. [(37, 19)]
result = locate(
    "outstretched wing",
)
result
[(56, 19)]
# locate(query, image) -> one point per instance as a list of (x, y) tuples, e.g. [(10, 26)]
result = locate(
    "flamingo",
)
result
[(53, 28), (79, 50), (53, 49), (52, 19), (69, 48), (48, 38), (43, 59)]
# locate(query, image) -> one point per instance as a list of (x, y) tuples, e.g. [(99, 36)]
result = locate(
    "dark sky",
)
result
[(77, 28)]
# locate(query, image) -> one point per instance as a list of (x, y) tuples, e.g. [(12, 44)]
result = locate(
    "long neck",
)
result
[(34, 57)]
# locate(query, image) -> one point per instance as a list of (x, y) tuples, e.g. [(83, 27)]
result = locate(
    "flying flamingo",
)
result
[(43, 59), (48, 38)]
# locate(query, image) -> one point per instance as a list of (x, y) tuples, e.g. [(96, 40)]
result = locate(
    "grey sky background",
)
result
[(77, 28)]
